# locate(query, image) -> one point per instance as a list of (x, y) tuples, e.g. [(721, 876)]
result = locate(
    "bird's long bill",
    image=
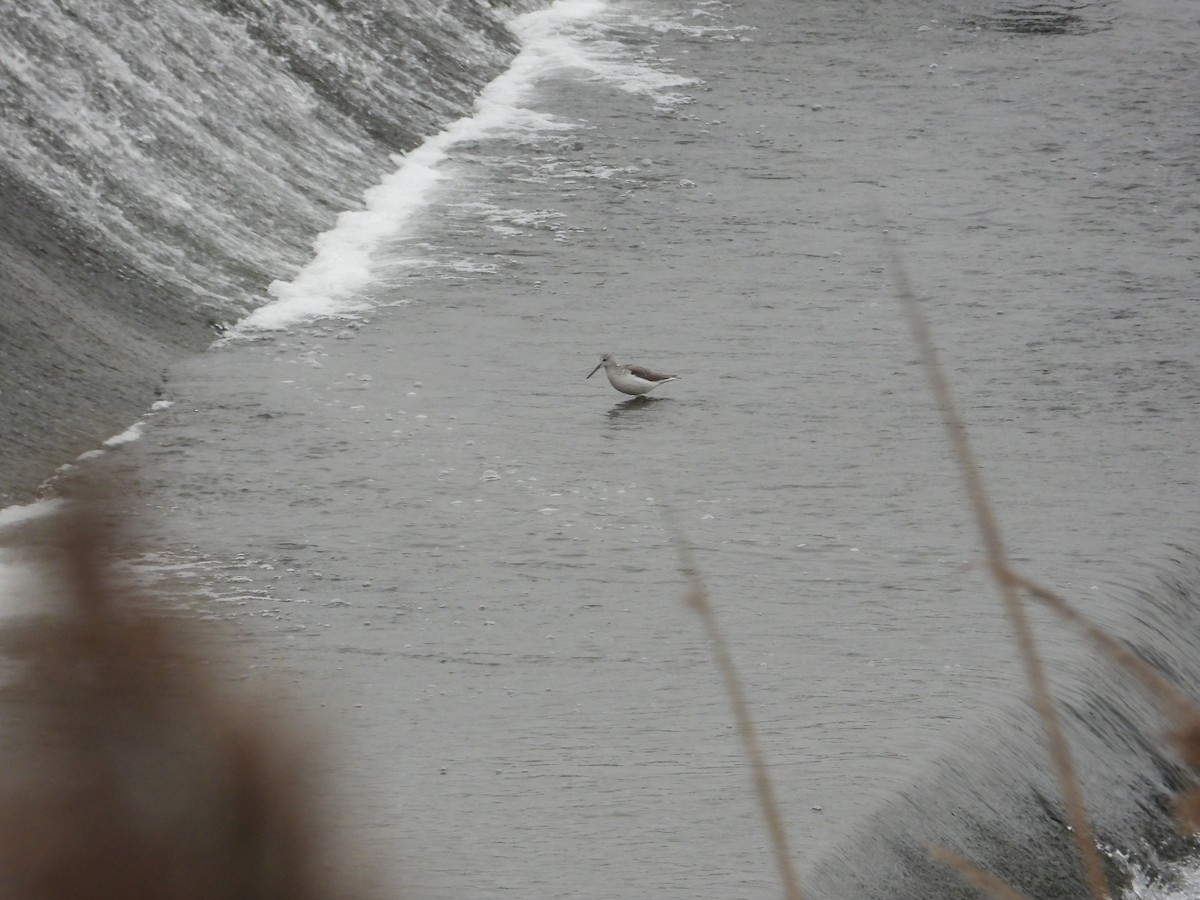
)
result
[(595, 370)]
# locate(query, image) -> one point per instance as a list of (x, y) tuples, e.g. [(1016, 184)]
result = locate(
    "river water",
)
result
[(416, 519)]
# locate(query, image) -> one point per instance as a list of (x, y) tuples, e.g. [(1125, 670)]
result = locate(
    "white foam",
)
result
[(20, 579), (553, 41), (17, 576), (19, 515), (1169, 880), (128, 436)]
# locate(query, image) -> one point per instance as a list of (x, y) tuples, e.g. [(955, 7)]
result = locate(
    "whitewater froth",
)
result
[(554, 41)]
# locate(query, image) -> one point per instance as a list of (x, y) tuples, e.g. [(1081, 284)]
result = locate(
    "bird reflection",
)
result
[(633, 405)]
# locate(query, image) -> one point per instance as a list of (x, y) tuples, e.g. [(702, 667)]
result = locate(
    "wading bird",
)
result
[(630, 379)]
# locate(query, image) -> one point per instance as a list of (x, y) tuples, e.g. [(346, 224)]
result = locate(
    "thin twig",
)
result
[(697, 599), (985, 881), (993, 542), (1180, 707)]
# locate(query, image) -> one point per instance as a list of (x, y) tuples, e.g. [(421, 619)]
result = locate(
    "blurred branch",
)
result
[(997, 554), (697, 598)]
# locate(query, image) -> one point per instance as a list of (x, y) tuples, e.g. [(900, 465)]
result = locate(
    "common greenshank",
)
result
[(630, 379)]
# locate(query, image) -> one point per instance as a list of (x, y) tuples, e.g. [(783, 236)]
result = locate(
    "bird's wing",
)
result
[(648, 374)]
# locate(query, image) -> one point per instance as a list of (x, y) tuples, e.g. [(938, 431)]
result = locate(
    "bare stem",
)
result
[(985, 881), (697, 599), (998, 559), (1178, 705)]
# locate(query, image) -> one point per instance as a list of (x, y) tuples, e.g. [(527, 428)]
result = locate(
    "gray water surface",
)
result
[(453, 549)]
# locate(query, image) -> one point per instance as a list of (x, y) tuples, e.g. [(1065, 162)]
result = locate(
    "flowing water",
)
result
[(393, 486)]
